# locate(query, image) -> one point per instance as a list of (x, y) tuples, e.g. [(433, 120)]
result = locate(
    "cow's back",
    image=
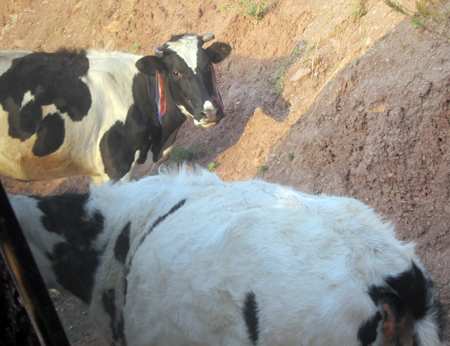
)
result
[(7, 57), (212, 246)]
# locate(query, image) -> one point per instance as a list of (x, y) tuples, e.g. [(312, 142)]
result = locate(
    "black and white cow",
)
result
[(187, 259), (92, 113)]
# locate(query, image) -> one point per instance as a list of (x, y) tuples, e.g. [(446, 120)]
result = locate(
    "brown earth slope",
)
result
[(378, 131)]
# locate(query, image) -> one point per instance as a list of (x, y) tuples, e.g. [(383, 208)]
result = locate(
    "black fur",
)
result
[(416, 293), (367, 332), (162, 218), (50, 135), (52, 78), (251, 318), (117, 327), (411, 291), (120, 330), (123, 244), (412, 287), (109, 304), (75, 260)]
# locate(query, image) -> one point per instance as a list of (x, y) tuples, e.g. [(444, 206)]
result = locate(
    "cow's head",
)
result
[(191, 75)]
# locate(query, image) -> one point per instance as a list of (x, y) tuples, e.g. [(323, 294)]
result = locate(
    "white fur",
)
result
[(308, 259), (186, 48), (185, 112), (7, 57), (39, 240), (208, 105), (28, 97)]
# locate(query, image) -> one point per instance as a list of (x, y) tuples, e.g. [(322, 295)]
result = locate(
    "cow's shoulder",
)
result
[(116, 63)]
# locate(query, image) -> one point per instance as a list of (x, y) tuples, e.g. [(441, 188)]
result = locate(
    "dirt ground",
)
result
[(316, 99)]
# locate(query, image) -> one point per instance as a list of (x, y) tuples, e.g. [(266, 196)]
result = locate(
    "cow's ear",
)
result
[(218, 51), (150, 64)]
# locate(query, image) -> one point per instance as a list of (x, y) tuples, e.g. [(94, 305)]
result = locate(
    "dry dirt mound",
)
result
[(380, 133)]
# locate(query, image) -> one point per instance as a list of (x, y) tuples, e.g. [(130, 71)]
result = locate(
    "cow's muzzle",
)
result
[(210, 117)]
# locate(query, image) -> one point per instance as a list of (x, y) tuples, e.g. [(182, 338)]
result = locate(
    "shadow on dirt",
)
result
[(246, 84)]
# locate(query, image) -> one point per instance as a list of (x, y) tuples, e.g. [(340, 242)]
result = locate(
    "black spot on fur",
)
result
[(412, 287), (376, 293), (109, 304), (74, 260), (123, 244), (385, 294), (250, 311), (50, 135), (117, 150), (117, 328), (120, 328), (125, 285), (414, 292), (51, 78), (23, 123), (367, 332), (162, 218)]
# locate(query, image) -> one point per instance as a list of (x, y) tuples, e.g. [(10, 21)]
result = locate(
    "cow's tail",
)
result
[(411, 307)]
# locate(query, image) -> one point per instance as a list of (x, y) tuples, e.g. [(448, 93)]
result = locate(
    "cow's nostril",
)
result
[(209, 114)]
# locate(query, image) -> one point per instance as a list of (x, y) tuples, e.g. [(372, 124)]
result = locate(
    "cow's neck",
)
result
[(172, 120), (173, 111)]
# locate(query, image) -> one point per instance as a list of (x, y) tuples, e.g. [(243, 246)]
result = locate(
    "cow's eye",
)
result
[(176, 74)]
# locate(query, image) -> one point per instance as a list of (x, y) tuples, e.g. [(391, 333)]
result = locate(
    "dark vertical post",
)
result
[(27, 278)]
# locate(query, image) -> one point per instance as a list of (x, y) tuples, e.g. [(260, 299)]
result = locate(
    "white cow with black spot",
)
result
[(184, 259)]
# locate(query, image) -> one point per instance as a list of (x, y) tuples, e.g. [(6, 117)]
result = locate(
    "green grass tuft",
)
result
[(262, 169), (254, 9), (359, 9), (432, 17), (178, 155), (212, 166), (135, 48)]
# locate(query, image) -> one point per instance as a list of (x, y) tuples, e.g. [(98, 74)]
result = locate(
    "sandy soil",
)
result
[(363, 110)]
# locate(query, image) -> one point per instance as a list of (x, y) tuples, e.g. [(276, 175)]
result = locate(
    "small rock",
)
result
[(112, 27), (300, 74), (77, 7), (19, 44), (110, 45)]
